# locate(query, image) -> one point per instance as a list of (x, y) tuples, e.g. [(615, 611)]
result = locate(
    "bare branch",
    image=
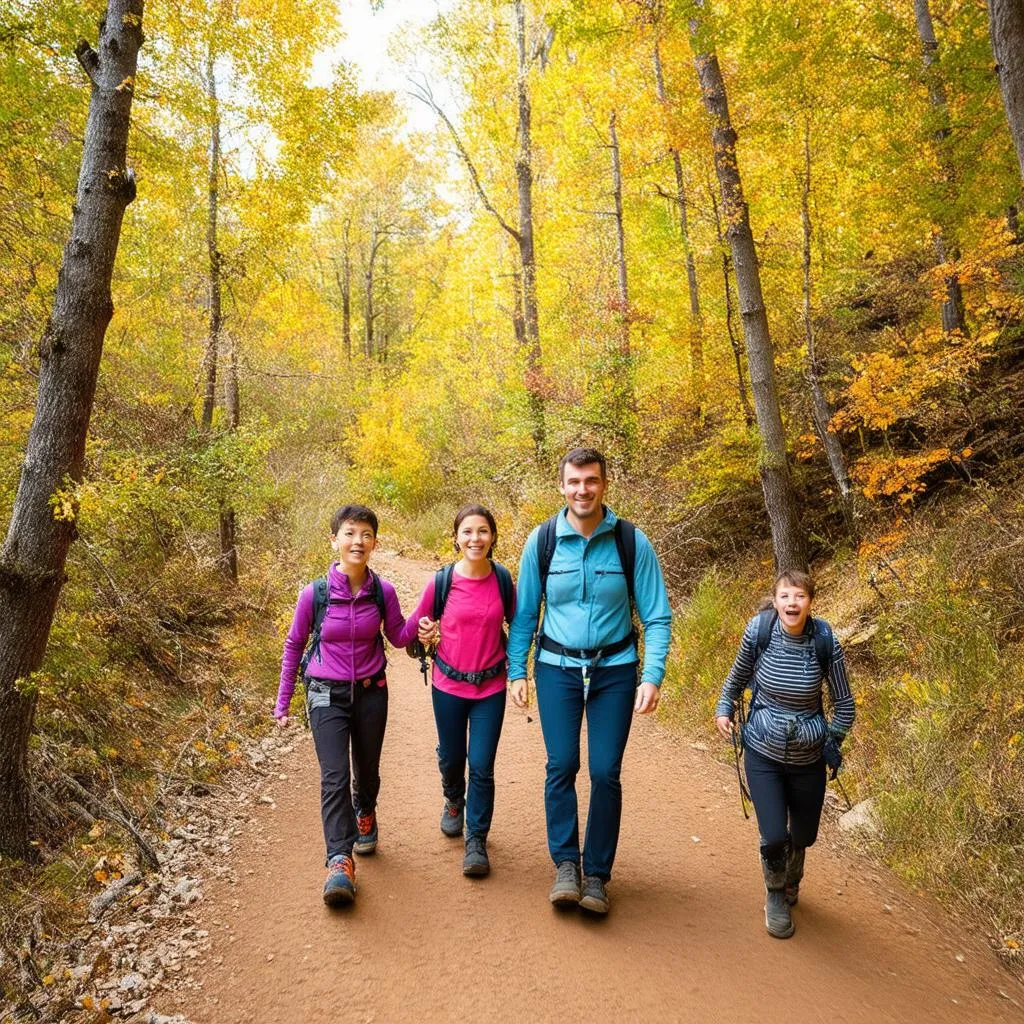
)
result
[(424, 95), (89, 60)]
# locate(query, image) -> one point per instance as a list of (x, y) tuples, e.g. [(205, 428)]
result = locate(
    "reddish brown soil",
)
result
[(684, 941)]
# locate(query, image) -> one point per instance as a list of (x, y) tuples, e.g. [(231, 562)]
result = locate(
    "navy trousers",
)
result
[(787, 800), (609, 712), (468, 729)]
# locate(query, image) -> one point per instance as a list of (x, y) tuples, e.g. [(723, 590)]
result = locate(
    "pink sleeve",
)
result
[(411, 628), (294, 645)]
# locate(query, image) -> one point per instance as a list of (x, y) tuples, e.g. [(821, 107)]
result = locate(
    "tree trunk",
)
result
[(953, 306), (737, 348), (35, 550), (209, 370), (228, 545), (1006, 22), (697, 382), (527, 258), (344, 279), (779, 496), (822, 414), (620, 237), (371, 315)]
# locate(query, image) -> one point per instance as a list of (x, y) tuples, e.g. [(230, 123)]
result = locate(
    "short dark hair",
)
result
[(353, 514), (476, 510), (582, 457), (795, 578)]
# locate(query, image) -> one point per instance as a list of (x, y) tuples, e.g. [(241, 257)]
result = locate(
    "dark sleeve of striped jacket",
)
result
[(742, 671), (843, 709)]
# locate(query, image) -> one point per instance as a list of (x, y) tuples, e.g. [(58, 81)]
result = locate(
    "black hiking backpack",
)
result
[(321, 601)]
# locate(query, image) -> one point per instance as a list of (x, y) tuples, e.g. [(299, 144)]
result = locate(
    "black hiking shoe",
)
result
[(566, 888), (595, 896), (475, 863), (777, 918), (453, 818), (794, 873)]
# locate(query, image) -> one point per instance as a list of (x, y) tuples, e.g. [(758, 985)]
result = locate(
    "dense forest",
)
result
[(767, 256)]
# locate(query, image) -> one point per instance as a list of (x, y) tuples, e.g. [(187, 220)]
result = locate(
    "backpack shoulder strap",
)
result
[(321, 600), (765, 625), (824, 644), (442, 587), (625, 543), (506, 588), (378, 594), (546, 538)]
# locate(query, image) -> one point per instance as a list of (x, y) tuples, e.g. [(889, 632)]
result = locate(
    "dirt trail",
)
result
[(684, 941)]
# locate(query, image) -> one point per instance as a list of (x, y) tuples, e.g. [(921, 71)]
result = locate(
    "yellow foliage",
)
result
[(900, 477)]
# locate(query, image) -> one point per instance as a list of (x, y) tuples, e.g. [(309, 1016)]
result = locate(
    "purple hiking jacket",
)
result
[(350, 647)]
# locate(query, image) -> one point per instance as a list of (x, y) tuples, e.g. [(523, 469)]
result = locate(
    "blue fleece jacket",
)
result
[(587, 601)]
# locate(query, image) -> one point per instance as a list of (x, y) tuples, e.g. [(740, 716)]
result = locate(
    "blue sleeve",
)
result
[(653, 610), (843, 707), (524, 622), (742, 671)]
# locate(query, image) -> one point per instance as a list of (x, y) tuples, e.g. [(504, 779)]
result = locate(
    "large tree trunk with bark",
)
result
[(822, 414), (953, 306), (35, 549), (1006, 21), (779, 495), (697, 383), (212, 351), (527, 256)]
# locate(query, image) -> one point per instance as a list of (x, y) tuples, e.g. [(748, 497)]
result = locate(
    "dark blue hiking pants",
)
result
[(609, 712), (787, 799), (468, 729)]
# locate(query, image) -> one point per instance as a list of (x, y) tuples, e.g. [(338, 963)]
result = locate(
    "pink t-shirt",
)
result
[(471, 632)]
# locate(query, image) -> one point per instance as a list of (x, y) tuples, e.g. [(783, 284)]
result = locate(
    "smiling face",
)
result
[(474, 538), (793, 604), (354, 542), (583, 488)]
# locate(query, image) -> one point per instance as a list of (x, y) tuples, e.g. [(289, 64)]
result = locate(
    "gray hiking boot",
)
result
[(794, 873), (475, 863), (567, 883), (776, 910), (595, 896), (453, 818)]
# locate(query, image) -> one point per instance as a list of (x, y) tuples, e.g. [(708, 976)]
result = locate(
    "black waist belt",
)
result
[(589, 654), (351, 683), (476, 678)]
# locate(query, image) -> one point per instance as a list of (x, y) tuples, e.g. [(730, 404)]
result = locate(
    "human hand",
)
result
[(283, 721), (647, 697), (520, 691), (725, 726), (429, 631)]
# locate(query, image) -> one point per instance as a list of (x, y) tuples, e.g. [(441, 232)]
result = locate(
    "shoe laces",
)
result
[(342, 864), (452, 809), (566, 871), (366, 823), (476, 844)]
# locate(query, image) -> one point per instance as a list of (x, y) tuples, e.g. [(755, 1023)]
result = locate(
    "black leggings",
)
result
[(787, 799)]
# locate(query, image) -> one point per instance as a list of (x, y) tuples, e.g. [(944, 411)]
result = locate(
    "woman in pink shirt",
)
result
[(469, 678)]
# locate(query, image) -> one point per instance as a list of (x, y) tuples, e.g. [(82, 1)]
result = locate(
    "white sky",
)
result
[(365, 46)]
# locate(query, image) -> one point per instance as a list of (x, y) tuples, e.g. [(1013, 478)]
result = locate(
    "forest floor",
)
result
[(684, 941)]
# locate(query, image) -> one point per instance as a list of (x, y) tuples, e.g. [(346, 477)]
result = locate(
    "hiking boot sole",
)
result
[(564, 898), (339, 897), (365, 848), (476, 870), (594, 905), (779, 933)]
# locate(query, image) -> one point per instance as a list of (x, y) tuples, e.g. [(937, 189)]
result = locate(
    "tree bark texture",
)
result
[(822, 414), (779, 495), (1006, 24), (953, 306), (527, 255), (212, 352), (346, 293), (33, 556), (697, 381), (228, 540)]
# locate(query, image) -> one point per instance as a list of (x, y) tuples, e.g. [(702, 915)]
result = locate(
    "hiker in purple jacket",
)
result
[(343, 669)]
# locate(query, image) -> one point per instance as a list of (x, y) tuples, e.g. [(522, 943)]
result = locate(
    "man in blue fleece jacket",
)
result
[(587, 662)]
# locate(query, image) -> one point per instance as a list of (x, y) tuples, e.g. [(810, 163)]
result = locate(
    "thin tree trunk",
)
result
[(779, 496), (228, 539), (371, 315), (953, 306), (35, 550), (697, 382), (822, 414), (1006, 23), (210, 356), (620, 237), (527, 256), (737, 348), (344, 279)]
